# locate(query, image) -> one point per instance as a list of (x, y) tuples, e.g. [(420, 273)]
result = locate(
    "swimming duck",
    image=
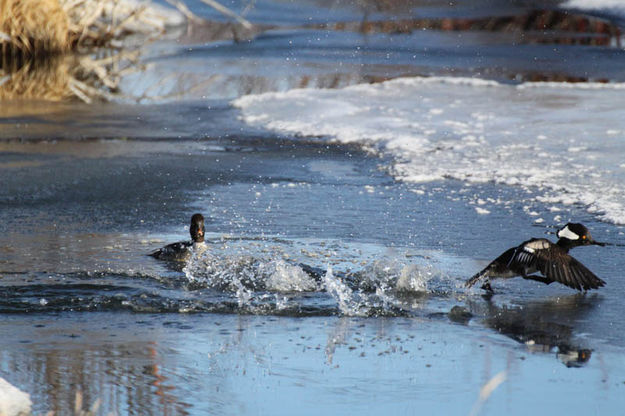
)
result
[(180, 251)]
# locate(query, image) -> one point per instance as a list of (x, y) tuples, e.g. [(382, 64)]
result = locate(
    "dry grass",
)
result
[(37, 36), (47, 47), (108, 22), (66, 77), (47, 27), (33, 26)]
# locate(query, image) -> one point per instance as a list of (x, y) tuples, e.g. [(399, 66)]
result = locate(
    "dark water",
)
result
[(327, 286)]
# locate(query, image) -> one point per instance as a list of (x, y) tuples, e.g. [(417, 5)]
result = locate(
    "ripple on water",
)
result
[(244, 282)]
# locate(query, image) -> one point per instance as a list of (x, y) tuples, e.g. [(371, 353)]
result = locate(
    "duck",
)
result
[(181, 250), (551, 260)]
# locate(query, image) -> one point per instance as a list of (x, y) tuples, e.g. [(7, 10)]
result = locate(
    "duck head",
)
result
[(197, 228), (574, 235)]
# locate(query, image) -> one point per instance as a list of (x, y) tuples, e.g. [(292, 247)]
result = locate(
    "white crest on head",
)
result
[(567, 233)]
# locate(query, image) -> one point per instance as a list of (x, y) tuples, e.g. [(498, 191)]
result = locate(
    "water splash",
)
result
[(261, 280), (285, 277), (392, 274), (347, 299), (246, 274)]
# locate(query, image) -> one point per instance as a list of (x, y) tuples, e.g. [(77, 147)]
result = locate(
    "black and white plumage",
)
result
[(180, 251), (551, 260)]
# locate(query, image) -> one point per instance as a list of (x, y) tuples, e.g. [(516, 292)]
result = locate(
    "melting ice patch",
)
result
[(563, 142), (596, 4)]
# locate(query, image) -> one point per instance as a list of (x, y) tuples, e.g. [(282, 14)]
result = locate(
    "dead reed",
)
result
[(66, 49), (32, 27), (57, 50), (46, 27)]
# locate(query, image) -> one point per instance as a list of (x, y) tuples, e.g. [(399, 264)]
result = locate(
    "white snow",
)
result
[(13, 401), (550, 140), (595, 4)]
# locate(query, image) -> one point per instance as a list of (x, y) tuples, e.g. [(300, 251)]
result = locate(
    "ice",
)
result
[(547, 138), (13, 401), (614, 5)]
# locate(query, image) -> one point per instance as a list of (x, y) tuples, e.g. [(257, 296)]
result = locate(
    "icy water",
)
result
[(347, 199)]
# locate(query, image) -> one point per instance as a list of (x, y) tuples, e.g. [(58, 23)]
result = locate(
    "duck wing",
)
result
[(557, 265), (172, 251), (524, 260)]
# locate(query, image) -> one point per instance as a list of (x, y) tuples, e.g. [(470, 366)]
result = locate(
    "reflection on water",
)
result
[(538, 26), (546, 325), (47, 79), (216, 59), (127, 376), (193, 364), (66, 77)]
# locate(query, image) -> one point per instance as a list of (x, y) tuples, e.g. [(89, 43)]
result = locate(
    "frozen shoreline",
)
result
[(528, 136)]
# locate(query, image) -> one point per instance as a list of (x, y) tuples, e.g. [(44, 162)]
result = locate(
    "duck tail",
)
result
[(476, 278)]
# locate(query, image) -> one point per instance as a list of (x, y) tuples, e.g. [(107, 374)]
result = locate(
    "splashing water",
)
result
[(244, 274), (348, 303), (394, 275), (390, 285), (284, 277)]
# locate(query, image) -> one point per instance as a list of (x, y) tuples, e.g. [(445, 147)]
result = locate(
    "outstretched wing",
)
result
[(524, 259), (559, 266)]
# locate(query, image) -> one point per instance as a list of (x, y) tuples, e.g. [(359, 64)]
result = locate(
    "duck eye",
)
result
[(583, 237)]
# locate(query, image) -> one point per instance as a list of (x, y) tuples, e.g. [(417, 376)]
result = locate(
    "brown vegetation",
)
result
[(37, 36), (36, 79), (64, 77), (47, 27), (33, 26), (538, 26)]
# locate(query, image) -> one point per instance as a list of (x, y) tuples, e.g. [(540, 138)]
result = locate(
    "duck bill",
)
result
[(599, 243)]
